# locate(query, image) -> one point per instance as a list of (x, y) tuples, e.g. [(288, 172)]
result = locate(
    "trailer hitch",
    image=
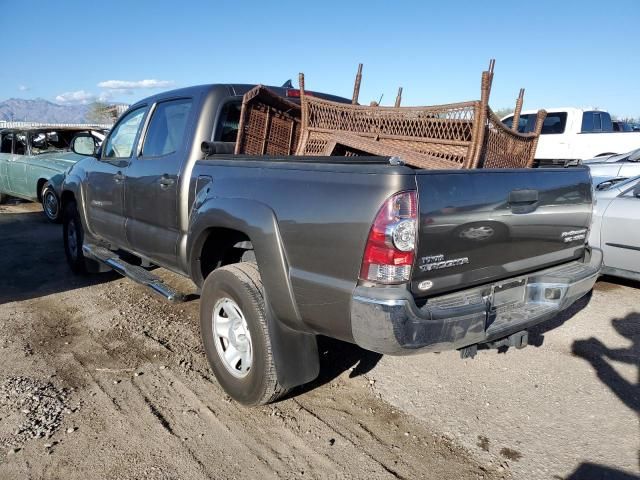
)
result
[(517, 340)]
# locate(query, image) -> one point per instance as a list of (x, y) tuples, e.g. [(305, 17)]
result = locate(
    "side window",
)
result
[(120, 142), (20, 145), (596, 122), (6, 146), (554, 123), (227, 128), (165, 134), (508, 121)]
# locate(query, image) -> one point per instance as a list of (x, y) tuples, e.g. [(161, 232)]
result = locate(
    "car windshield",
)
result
[(632, 156), (617, 182)]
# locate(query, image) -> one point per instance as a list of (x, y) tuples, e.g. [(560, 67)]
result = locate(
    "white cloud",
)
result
[(129, 85), (23, 88), (79, 96)]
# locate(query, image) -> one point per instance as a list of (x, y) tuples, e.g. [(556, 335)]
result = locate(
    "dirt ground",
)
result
[(100, 379)]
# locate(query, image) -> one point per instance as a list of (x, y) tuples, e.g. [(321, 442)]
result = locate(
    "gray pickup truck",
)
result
[(362, 249)]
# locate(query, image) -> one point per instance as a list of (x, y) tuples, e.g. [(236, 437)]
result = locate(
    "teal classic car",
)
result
[(33, 162)]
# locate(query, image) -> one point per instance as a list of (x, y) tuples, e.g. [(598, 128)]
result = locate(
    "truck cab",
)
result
[(573, 134)]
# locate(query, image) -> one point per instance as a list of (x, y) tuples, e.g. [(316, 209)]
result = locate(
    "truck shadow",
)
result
[(593, 471), (536, 334), (337, 357), (32, 260), (599, 356)]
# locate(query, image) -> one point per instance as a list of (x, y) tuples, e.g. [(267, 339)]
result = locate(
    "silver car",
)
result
[(616, 227), (614, 166)]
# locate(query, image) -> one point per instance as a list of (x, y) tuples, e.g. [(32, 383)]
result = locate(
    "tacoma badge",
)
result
[(438, 262)]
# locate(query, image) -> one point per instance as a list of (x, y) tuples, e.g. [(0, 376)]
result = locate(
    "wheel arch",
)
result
[(252, 224), (243, 220)]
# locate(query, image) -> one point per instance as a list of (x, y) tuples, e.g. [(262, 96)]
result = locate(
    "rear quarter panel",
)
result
[(324, 213)]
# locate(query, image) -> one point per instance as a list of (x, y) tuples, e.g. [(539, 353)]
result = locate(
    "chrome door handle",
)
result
[(118, 177)]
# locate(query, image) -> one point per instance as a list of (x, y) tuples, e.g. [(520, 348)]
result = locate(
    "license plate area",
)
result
[(508, 294)]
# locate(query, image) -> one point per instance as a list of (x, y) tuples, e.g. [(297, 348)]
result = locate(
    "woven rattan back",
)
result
[(269, 124)]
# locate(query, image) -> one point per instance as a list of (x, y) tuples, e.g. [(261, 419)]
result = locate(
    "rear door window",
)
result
[(166, 131), (596, 122)]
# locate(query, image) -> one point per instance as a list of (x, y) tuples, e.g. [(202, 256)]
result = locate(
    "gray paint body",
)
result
[(308, 219)]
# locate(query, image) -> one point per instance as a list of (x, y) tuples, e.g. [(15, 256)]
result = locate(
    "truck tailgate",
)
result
[(480, 226)]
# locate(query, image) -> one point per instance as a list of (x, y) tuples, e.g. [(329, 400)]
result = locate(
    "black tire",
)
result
[(242, 284), (72, 228), (50, 203)]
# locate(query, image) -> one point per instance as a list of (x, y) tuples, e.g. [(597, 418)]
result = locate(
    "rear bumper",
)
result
[(387, 320)]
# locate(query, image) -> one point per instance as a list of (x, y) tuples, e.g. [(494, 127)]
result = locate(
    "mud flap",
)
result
[(294, 353)]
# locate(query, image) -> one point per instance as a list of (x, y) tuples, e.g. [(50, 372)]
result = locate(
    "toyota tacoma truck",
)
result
[(570, 135), (362, 249)]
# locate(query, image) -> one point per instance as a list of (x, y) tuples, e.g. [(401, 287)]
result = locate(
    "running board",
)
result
[(135, 273)]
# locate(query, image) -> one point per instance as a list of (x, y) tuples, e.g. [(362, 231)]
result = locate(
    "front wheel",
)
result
[(50, 203), (73, 236), (235, 334)]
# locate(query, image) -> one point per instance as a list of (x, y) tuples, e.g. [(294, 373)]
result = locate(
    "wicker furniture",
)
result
[(457, 135), (269, 124), (463, 135)]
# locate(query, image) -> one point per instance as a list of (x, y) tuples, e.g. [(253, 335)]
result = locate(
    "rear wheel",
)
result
[(235, 334), (50, 203), (73, 236)]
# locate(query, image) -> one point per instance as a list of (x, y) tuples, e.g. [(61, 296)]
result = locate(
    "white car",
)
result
[(571, 134), (625, 165), (616, 228)]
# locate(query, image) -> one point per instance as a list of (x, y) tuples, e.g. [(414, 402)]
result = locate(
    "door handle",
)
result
[(118, 177), (524, 201), (166, 182), (523, 196)]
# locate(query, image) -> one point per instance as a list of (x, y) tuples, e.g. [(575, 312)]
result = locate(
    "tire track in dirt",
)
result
[(150, 407)]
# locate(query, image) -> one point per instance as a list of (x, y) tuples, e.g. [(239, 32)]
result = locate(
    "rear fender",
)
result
[(294, 346)]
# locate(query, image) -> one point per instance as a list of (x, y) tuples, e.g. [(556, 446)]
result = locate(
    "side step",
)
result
[(135, 273)]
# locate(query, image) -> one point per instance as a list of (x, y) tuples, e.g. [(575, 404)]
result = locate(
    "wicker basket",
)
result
[(269, 124)]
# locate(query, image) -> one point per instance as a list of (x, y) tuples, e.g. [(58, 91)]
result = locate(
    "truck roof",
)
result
[(563, 109), (232, 89)]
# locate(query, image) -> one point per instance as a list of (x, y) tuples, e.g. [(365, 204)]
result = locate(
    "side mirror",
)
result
[(84, 144)]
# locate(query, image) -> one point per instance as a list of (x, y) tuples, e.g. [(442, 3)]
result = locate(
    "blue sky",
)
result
[(565, 53)]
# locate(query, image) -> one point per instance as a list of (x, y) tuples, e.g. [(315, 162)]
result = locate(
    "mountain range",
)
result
[(40, 110)]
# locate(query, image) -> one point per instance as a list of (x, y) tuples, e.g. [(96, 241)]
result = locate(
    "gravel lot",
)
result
[(100, 379)]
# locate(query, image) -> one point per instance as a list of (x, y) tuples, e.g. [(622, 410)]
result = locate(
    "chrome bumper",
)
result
[(387, 320)]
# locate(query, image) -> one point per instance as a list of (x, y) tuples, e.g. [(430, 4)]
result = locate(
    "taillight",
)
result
[(295, 93), (388, 255)]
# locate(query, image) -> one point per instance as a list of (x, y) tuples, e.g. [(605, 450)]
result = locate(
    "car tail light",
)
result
[(295, 93), (390, 249)]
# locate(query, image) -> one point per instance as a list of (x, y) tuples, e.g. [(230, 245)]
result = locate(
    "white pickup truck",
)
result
[(571, 134)]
